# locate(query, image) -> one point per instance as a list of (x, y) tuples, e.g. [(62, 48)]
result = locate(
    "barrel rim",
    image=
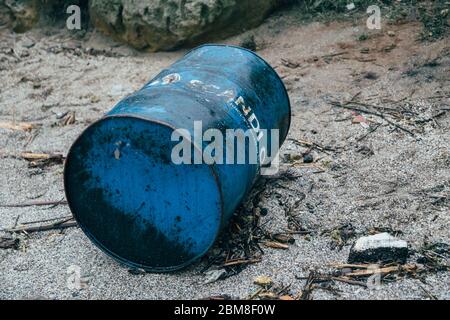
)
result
[(267, 65), (108, 251)]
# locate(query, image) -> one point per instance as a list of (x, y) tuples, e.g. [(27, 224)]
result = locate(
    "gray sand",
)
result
[(393, 187)]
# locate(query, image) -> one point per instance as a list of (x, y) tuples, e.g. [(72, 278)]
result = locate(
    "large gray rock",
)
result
[(167, 24)]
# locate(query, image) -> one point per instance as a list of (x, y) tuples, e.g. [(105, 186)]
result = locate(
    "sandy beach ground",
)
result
[(370, 172)]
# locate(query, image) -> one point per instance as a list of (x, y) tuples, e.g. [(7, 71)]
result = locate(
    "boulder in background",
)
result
[(168, 24)]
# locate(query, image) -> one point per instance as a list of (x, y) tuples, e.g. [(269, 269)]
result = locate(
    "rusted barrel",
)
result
[(126, 181)]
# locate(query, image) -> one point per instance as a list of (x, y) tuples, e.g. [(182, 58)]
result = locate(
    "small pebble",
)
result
[(308, 158), (381, 247), (27, 43), (370, 75), (263, 281), (264, 211), (391, 33)]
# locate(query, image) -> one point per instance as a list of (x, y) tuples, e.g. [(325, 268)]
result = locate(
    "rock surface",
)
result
[(380, 247), (21, 14), (5, 17), (167, 24)]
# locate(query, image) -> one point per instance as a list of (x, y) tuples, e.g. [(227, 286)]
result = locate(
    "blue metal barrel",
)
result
[(128, 194)]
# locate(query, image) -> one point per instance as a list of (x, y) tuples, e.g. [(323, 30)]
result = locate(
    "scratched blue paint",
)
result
[(124, 190)]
